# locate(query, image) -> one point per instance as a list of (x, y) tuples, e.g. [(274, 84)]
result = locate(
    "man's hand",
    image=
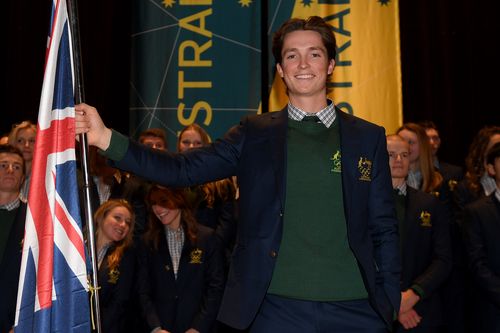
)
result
[(87, 120), (408, 300), (409, 319)]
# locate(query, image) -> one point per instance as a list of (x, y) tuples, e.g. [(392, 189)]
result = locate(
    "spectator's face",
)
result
[(399, 158), (305, 66), (165, 210), (434, 140), (190, 139), (25, 142), (493, 139), (116, 225), (154, 142), (412, 140), (494, 170), (11, 172)]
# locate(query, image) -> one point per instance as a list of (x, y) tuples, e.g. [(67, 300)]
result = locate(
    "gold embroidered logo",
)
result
[(452, 183), (195, 256), (337, 163), (365, 169), (425, 217), (113, 275)]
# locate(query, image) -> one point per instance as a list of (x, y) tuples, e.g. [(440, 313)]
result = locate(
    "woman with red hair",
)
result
[(181, 274)]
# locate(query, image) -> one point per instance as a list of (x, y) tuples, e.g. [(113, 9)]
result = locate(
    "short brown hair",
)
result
[(154, 132), (8, 149), (314, 23)]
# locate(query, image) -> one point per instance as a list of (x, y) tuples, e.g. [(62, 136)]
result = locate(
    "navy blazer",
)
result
[(116, 292), (426, 253), (255, 151), (10, 267), (193, 299)]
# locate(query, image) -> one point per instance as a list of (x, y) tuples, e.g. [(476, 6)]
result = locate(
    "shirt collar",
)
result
[(402, 188), (11, 205), (326, 116), (488, 183)]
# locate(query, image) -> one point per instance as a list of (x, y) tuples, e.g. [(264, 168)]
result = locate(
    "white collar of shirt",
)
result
[(488, 183), (326, 116)]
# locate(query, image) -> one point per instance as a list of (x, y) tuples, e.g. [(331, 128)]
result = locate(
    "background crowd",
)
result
[(164, 253)]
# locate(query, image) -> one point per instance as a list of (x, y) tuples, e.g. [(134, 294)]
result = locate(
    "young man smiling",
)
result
[(317, 246)]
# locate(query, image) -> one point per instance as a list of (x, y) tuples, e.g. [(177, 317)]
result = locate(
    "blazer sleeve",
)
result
[(214, 281), (440, 267), (194, 167), (383, 224), (474, 238)]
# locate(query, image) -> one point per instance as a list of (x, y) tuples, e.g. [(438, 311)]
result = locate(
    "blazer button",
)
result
[(273, 254)]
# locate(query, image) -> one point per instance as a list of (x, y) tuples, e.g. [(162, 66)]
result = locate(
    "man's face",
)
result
[(399, 158), (11, 172), (305, 66), (154, 142), (434, 140)]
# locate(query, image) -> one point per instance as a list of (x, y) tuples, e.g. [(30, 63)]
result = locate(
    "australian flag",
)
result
[(53, 290)]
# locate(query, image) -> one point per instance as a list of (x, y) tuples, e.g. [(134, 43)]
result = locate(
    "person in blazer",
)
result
[(181, 275), (481, 228), (425, 247), (267, 163), (12, 220), (114, 221)]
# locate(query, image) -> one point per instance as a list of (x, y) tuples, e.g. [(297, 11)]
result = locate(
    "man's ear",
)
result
[(331, 66), (279, 69)]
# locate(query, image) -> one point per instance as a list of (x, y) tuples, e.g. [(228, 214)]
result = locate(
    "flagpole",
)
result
[(84, 157)]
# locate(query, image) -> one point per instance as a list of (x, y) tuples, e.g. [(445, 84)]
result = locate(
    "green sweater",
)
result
[(315, 262)]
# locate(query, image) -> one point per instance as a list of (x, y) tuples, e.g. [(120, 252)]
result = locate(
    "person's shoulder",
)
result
[(362, 124), (486, 202), (423, 198), (204, 231)]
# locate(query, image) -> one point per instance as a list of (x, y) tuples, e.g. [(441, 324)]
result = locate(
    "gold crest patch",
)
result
[(113, 275), (195, 256), (425, 217), (365, 169)]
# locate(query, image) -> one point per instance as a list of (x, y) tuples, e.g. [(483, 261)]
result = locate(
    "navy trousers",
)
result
[(279, 314)]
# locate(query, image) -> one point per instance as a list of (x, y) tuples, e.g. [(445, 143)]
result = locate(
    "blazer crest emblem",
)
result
[(425, 218), (113, 276), (195, 256), (365, 169), (452, 183)]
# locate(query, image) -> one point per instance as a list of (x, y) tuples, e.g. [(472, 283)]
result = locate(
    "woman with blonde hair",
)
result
[(114, 221), (22, 136), (423, 175)]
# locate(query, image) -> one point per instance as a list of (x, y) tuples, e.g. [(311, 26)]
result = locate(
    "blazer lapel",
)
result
[(349, 145), (166, 260), (184, 262), (277, 133)]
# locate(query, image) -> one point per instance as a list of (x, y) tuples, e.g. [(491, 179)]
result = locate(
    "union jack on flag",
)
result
[(53, 290)]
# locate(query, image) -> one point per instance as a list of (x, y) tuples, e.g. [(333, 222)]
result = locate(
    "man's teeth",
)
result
[(304, 76)]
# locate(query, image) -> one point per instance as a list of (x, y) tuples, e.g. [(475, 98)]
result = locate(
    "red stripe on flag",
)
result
[(48, 141)]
